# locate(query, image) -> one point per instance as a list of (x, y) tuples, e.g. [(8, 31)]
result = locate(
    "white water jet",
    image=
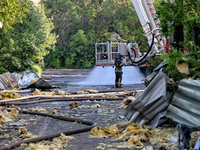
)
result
[(106, 76)]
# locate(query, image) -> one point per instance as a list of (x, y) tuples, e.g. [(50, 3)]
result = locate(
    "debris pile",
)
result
[(133, 135), (38, 92), (10, 95), (128, 100), (56, 144), (7, 115)]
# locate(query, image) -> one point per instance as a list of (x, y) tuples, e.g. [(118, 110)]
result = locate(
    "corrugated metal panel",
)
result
[(151, 105), (7, 81), (185, 106)]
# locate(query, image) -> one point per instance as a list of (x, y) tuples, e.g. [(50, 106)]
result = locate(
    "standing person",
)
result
[(143, 67), (118, 71), (114, 39)]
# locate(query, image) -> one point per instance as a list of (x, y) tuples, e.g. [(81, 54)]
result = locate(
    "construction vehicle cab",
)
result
[(130, 51)]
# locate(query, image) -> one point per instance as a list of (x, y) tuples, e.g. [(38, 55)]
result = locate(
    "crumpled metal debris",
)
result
[(150, 107), (28, 77), (7, 81), (185, 105)]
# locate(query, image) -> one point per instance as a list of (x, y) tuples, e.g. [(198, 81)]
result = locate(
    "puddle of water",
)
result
[(106, 76)]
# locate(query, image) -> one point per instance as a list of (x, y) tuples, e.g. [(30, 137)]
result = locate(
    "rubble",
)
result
[(7, 116), (10, 95), (22, 130), (133, 135), (128, 100), (56, 144)]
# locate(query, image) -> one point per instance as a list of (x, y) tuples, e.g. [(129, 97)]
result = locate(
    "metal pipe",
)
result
[(50, 100), (64, 96), (45, 137)]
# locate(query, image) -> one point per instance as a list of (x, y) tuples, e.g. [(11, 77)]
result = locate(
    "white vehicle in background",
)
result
[(130, 51)]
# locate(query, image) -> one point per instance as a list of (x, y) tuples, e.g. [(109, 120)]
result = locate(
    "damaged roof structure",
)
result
[(185, 105), (152, 107), (154, 103)]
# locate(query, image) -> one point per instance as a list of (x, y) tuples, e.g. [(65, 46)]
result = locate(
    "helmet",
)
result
[(119, 56), (117, 31)]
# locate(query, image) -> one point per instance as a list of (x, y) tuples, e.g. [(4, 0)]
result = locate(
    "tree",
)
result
[(26, 40), (96, 19), (12, 11), (180, 18)]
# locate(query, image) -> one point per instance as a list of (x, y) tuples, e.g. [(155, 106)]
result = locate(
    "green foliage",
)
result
[(26, 41), (171, 59), (193, 59), (184, 13), (80, 24), (171, 15), (13, 11), (37, 69), (155, 61), (181, 12), (3, 70)]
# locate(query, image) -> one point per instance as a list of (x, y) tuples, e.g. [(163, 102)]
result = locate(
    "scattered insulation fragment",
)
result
[(22, 130), (27, 135), (182, 66), (128, 100), (38, 92), (61, 92), (92, 91), (134, 135), (56, 144), (7, 115), (74, 105), (148, 148), (80, 92), (122, 106), (89, 107), (54, 111), (10, 95), (38, 109)]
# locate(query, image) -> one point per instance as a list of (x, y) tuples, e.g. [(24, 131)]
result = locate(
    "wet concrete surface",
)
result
[(97, 78), (107, 114)]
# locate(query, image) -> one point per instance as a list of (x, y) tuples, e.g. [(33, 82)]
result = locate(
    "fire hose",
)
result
[(50, 136)]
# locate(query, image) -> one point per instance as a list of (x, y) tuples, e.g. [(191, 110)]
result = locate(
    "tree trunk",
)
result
[(179, 37), (196, 35)]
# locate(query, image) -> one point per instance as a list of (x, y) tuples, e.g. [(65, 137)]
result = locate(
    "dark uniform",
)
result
[(118, 71), (143, 67)]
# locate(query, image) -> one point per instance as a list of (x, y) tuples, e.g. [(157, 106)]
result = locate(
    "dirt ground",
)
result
[(107, 113)]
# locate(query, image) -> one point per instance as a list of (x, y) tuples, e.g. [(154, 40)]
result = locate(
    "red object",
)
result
[(3, 103), (147, 65), (104, 64), (167, 45)]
